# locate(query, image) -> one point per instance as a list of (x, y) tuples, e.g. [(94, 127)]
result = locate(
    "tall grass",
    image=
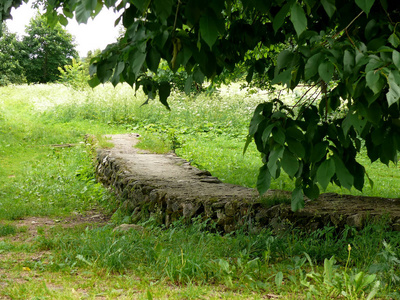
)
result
[(209, 131), (190, 254), (37, 178)]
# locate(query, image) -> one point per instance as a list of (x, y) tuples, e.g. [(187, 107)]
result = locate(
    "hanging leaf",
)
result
[(325, 172), (374, 81), (137, 61), (279, 135), (393, 95), (163, 8), (273, 166), (365, 5), (394, 40), (344, 176), (209, 29), (298, 18), (311, 67), (325, 71), (329, 6), (297, 199), (263, 180), (396, 58), (289, 163), (142, 5), (280, 17), (82, 12), (164, 92), (311, 191), (348, 62), (153, 59), (188, 84)]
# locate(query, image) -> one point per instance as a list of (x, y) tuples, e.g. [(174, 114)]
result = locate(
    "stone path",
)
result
[(166, 187)]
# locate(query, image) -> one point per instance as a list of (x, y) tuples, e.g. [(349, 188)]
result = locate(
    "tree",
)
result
[(44, 50), (348, 49), (11, 71)]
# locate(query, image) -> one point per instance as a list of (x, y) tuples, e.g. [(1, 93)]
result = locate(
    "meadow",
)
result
[(46, 175)]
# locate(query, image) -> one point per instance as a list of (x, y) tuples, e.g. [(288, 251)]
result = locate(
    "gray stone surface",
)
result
[(166, 187)]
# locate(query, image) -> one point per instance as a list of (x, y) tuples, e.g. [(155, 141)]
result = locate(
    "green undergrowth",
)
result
[(39, 176), (46, 169), (320, 264)]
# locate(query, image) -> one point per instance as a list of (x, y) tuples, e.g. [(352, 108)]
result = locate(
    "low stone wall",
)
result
[(191, 193)]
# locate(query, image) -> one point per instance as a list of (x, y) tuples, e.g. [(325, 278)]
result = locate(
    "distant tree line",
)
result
[(37, 56)]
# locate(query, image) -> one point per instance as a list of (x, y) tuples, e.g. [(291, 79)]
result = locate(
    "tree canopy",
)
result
[(10, 68), (44, 49), (348, 50)]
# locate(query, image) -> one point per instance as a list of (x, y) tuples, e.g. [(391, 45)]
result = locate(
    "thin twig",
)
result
[(313, 86)]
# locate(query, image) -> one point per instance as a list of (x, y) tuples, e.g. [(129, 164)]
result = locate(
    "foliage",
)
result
[(44, 50), (5, 10), (75, 75), (11, 71), (352, 43)]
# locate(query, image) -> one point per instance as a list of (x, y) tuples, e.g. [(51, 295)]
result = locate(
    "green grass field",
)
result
[(47, 185)]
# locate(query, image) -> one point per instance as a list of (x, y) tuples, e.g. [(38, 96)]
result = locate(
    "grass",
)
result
[(56, 184)]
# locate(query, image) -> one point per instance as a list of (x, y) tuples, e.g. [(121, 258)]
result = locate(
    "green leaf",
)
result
[(355, 120), (280, 17), (163, 8), (263, 180), (348, 62), (249, 138), (273, 166), (295, 133), (325, 71), (164, 92), (374, 81), (311, 191), (279, 279), (365, 5), (329, 6), (325, 172), (209, 29), (94, 81), (297, 199), (279, 135), (63, 20), (142, 5), (289, 163), (137, 61), (394, 40), (118, 70), (284, 77), (396, 58), (284, 59), (90, 4), (120, 67), (296, 147), (298, 18), (393, 95), (267, 132), (318, 151), (82, 13), (153, 59), (188, 84), (198, 76), (311, 67), (342, 173)]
